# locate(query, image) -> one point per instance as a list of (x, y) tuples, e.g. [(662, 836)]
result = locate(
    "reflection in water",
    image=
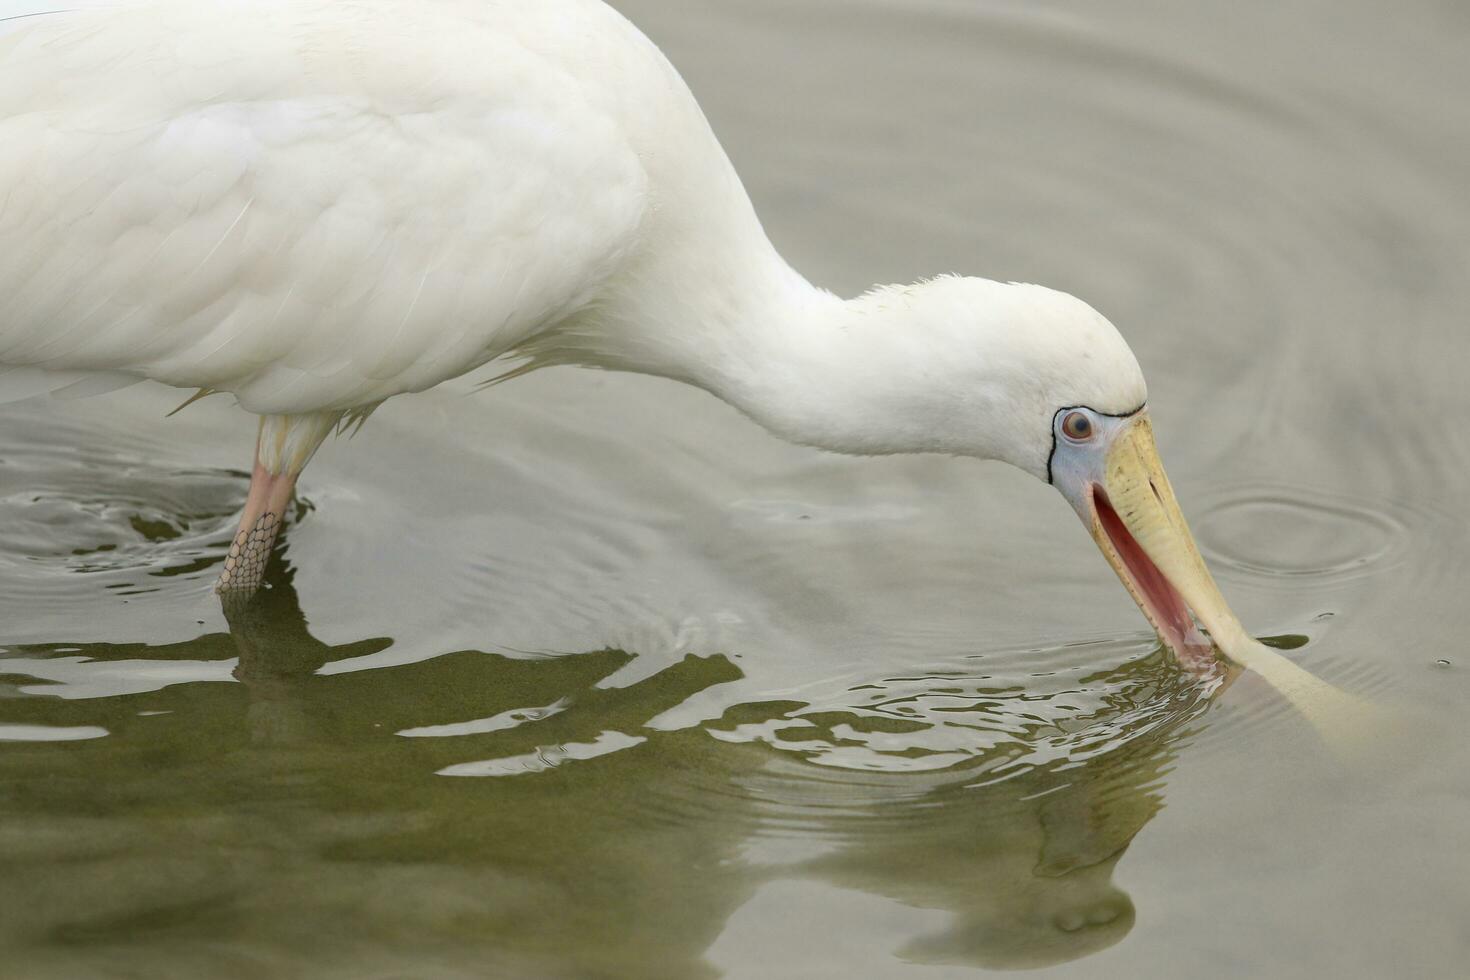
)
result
[(1025, 867), (1021, 855), (298, 816)]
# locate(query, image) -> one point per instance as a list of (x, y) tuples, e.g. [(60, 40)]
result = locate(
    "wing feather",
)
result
[(312, 206)]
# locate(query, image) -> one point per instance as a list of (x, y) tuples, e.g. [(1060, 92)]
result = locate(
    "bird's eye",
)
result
[(1077, 426)]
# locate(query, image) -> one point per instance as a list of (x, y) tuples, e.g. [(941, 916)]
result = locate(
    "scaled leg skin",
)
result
[(285, 445)]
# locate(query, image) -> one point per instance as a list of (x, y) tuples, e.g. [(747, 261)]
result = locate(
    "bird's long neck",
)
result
[(735, 319), (744, 325)]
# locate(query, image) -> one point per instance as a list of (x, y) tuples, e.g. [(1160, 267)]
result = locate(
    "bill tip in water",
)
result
[(1351, 726)]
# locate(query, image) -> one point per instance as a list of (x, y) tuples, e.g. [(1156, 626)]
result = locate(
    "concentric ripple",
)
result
[(78, 516), (1292, 532)]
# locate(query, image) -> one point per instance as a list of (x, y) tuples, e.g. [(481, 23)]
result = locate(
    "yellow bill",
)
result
[(1136, 522)]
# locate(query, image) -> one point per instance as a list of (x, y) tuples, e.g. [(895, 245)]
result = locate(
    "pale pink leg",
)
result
[(282, 450), (265, 512)]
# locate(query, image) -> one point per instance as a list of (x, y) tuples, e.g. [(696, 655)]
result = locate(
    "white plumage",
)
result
[(311, 205), (316, 205)]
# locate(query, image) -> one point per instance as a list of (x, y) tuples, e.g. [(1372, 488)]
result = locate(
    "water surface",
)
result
[(586, 676)]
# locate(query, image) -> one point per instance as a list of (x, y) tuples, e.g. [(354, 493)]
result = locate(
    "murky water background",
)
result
[(586, 676)]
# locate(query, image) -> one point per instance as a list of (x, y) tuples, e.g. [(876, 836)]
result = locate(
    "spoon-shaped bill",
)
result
[(1136, 521)]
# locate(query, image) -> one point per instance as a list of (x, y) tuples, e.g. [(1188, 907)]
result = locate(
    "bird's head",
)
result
[(1038, 379)]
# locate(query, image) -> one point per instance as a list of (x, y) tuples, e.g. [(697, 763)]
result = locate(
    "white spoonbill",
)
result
[(315, 205)]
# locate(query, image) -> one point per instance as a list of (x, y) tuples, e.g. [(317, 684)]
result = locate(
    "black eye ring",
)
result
[(1077, 426)]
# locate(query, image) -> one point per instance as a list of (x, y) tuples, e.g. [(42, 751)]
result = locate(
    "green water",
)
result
[(587, 677)]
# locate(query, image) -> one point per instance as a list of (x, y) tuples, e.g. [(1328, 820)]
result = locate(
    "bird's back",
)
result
[(313, 204)]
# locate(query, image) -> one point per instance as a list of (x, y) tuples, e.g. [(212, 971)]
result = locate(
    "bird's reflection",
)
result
[(1024, 866), (302, 815), (278, 657)]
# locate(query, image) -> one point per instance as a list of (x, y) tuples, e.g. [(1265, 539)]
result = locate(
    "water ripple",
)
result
[(989, 714), (1295, 532), (121, 518)]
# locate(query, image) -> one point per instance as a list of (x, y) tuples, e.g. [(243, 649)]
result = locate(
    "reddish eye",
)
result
[(1077, 426)]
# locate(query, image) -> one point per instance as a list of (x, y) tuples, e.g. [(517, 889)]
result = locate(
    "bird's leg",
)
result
[(265, 510), (284, 446)]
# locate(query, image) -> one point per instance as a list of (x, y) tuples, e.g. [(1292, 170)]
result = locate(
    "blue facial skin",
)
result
[(1077, 463)]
